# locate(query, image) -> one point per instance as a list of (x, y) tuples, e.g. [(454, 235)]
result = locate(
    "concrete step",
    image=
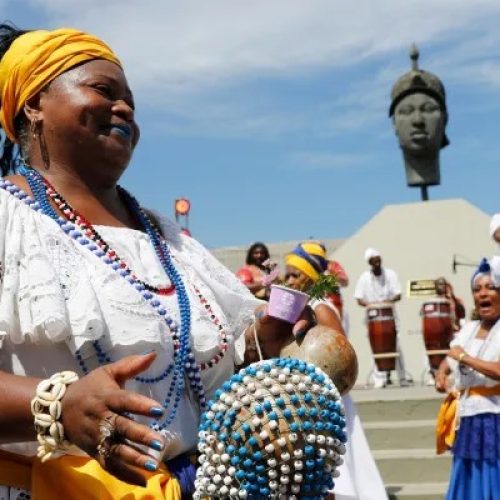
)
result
[(404, 434), (399, 409), (417, 491), (400, 427), (407, 466)]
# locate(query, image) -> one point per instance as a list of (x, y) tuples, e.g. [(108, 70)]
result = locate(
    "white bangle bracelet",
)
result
[(46, 408)]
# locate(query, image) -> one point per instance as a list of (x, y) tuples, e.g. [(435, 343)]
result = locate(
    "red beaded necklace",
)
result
[(90, 232)]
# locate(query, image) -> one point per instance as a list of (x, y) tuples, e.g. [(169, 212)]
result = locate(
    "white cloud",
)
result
[(181, 44), (180, 55)]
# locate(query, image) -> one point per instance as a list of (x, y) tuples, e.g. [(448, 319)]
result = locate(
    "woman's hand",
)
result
[(455, 352), (99, 398), (441, 376), (273, 334), (441, 381)]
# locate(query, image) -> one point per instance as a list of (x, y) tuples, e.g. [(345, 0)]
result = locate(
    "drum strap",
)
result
[(448, 418)]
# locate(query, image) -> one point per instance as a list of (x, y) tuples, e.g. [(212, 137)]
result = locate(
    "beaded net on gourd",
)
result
[(275, 430)]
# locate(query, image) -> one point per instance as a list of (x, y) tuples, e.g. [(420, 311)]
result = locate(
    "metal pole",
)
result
[(424, 193)]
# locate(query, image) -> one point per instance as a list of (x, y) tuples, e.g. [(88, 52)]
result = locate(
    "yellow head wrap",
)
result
[(35, 59), (308, 257)]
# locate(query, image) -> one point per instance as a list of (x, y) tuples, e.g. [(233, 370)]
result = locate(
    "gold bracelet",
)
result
[(461, 356)]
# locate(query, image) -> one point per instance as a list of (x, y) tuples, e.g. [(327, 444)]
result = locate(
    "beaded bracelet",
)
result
[(46, 408)]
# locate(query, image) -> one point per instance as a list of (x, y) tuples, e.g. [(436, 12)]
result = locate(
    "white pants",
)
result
[(379, 378)]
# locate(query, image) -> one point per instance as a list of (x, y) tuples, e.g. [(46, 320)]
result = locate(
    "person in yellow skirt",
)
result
[(115, 328)]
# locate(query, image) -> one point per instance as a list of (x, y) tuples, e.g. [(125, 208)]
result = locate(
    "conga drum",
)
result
[(382, 333), (438, 329)]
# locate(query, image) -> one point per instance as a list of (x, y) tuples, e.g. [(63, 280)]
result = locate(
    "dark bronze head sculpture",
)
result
[(419, 114)]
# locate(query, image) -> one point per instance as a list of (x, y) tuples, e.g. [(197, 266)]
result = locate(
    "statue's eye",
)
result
[(430, 107), (405, 110)]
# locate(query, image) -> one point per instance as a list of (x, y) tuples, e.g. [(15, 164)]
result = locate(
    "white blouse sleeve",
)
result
[(40, 272)]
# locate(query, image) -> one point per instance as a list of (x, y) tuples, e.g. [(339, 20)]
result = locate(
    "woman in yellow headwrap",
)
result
[(115, 328), (359, 476), (304, 265)]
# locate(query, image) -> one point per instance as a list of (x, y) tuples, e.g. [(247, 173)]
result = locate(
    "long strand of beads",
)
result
[(73, 216), (38, 191), (163, 253), (186, 359), (71, 230), (183, 357)]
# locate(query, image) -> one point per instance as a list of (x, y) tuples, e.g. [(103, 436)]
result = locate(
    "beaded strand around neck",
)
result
[(73, 216), (184, 364)]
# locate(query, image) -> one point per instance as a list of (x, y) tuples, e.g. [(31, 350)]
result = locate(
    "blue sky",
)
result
[(271, 115)]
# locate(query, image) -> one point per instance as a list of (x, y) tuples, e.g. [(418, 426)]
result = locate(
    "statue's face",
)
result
[(419, 122)]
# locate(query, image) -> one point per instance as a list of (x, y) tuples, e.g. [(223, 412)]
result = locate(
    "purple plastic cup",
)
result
[(286, 304)]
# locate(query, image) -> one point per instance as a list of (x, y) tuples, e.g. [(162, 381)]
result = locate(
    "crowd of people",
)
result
[(116, 328), (377, 286), (469, 420)]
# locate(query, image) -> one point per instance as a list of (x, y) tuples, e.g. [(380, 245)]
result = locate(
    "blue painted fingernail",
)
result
[(156, 411), (300, 333), (151, 466), (156, 445), (259, 314)]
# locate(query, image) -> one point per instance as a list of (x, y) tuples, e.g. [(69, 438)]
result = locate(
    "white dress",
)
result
[(56, 297), (359, 476)]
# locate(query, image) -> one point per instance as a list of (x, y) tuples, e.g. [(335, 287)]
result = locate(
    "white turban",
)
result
[(495, 270), (494, 224), (370, 253), (489, 268)]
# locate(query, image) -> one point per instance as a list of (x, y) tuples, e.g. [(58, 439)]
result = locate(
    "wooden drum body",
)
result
[(438, 329), (382, 333)]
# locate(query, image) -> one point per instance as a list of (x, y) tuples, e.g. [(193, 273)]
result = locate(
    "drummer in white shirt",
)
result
[(380, 284)]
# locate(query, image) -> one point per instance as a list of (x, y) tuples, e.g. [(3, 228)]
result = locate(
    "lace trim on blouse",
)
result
[(52, 289)]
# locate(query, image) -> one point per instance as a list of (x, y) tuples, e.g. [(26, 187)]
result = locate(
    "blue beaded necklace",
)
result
[(184, 362)]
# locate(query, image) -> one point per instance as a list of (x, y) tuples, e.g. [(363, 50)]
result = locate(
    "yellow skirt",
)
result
[(80, 478)]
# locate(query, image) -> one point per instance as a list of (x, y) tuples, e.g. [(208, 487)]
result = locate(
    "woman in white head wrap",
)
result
[(474, 357)]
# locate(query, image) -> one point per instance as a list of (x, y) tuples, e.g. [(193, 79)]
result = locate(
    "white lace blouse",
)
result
[(487, 349), (56, 297)]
